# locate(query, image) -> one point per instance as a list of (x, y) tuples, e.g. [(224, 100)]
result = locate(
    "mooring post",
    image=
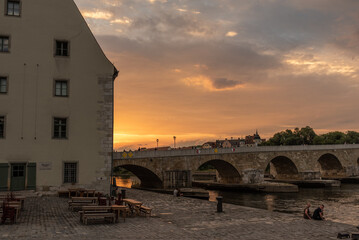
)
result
[(219, 204), (123, 192)]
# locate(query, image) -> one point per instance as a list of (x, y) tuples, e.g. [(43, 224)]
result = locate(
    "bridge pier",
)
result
[(352, 171), (252, 176), (310, 175), (177, 179)]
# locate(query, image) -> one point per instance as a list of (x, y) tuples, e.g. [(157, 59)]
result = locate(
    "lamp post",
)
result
[(174, 141)]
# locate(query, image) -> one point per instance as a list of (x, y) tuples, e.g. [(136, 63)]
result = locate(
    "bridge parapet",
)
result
[(243, 164), (194, 152)]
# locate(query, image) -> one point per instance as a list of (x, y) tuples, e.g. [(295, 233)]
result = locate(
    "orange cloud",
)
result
[(97, 14), (231, 34), (213, 85)]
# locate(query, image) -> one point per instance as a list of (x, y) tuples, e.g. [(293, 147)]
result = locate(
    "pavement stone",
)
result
[(47, 217)]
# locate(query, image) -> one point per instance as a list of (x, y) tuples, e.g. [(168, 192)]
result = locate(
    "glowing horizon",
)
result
[(204, 70)]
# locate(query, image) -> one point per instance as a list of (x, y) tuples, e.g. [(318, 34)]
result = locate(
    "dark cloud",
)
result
[(223, 83), (222, 59)]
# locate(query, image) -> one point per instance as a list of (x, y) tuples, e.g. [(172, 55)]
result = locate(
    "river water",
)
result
[(341, 204)]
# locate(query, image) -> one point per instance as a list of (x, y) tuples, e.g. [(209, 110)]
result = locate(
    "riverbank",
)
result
[(173, 218)]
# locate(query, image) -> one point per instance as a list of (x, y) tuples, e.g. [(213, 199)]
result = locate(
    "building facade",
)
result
[(56, 99)]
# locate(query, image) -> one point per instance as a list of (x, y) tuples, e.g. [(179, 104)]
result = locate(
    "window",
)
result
[(70, 172), (61, 88), (60, 128), (4, 44), (3, 85), (2, 127), (18, 170), (62, 48), (13, 8)]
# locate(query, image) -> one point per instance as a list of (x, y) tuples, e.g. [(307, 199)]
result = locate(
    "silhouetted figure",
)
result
[(318, 213), (306, 213)]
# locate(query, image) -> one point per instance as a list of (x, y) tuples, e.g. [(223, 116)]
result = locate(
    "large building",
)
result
[(56, 99)]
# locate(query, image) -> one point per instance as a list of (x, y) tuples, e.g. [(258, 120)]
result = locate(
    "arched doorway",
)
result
[(227, 173), (282, 168), (330, 166), (148, 178)]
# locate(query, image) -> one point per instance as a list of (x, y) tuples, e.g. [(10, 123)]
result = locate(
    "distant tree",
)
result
[(352, 137), (333, 138), (307, 136)]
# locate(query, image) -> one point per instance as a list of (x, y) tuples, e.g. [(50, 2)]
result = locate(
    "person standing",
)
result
[(318, 213), (307, 212)]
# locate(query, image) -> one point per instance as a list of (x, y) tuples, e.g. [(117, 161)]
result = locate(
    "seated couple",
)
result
[(317, 215)]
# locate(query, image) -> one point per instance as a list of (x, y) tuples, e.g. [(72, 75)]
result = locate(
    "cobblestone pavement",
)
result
[(47, 217)]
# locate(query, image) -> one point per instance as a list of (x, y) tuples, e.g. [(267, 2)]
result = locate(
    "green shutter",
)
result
[(4, 174), (31, 176)]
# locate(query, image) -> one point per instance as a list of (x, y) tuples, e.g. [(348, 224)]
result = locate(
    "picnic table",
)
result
[(118, 209), (78, 192), (134, 205), (78, 202), (19, 198), (17, 206), (97, 212)]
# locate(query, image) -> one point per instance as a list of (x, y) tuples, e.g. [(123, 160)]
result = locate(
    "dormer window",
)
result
[(13, 8), (62, 48)]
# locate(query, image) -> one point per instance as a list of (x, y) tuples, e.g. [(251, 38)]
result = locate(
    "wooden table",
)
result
[(17, 197), (133, 205), (119, 209), (90, 191), (72, 190), (78, 202), (17, 206), (94, 210), (84, 199)]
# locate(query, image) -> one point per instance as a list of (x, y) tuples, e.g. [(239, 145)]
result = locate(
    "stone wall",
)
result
[(105, 128)]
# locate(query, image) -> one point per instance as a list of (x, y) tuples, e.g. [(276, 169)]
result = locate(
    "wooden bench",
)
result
[(95, 216), (133, 205), (16, 198), (79, 205), (63, 193), (79, 202), (146, 210), (93, 210)]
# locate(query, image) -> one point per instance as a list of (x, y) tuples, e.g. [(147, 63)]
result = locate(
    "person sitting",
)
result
[(307, 212), (175, 192), (318, 213)]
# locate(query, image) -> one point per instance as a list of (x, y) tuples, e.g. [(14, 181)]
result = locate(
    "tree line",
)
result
[(307, 136)]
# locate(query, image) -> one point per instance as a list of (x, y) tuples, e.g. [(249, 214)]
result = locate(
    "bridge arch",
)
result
[(148, 178), (330, 166), (226, 171), (282, 167)]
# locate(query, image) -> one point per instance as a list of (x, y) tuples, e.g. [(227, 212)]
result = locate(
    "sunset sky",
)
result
[(202, 70)]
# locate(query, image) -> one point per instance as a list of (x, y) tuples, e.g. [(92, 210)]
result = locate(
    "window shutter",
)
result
[(4, 174), (31, 176)]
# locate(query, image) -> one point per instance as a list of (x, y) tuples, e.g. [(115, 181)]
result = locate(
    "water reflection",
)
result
[(341, 204), (127, 181)]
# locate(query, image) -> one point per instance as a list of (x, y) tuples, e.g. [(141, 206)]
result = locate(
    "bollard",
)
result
[(123, 192), (219, 204)]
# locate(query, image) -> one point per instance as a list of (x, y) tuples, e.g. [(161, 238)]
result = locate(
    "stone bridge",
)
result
[(158, 169)]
